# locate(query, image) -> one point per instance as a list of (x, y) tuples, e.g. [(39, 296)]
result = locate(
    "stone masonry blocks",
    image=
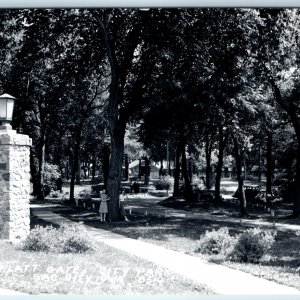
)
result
[(14, 185)]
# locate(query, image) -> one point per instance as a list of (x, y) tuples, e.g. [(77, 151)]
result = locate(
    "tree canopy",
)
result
[(171, 80)]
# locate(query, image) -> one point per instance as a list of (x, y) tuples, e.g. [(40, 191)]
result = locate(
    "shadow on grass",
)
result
[(34, 221), (152, 227), (183, 234), (289, 263)]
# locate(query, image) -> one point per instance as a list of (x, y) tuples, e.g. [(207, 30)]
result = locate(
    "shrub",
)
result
[(75, 239), (68, 238), (40, 239), (162, 185), (287, 190), (52, 177), (216, 242), (252, 245)]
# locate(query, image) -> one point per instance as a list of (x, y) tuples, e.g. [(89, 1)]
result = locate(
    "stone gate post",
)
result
[(14, 184)]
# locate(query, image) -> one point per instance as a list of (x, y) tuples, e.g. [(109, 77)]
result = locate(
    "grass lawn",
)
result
[(105, 272), (281, 265)]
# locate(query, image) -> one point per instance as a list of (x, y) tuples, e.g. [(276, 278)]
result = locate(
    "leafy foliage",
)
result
[(174, 74), (66, 239), (40, 239), (216, 242), (162, 184), (249, 246), (75, 239), (252, 245), (51, 177)]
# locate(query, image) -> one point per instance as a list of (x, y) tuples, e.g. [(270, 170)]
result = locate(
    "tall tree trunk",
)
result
[(259, 162), (168, 158), (115, 170), (105, 164), (161, 169), (73, 176), (177, 171), (187, 182), (94, 162), (34, 167), (117, 118), (68, 167), (147, 171), (269, 163), (208, 151), (41, 168), (222, 145), (293, 113), (190, 170), (75, 165), (241, 191), (296, 206), (140, 168), (78, 172)]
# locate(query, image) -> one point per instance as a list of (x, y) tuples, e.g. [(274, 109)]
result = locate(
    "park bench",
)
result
[(143, 190), (97, 188), (251, 192), (257, 194), (91, 202)]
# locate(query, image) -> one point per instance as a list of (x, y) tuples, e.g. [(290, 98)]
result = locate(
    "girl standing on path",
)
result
[(103, 209)]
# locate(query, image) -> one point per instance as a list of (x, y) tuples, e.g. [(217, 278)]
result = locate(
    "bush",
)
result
[(52, 178), (66, 239), (252, 245), (287, 190), (75, 239), (40, 239), (216, 242), (162, 185)]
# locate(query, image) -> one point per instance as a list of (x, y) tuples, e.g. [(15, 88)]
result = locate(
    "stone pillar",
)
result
[(14, 184)]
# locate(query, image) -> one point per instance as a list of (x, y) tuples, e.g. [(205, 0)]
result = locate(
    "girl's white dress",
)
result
[(103, 205)]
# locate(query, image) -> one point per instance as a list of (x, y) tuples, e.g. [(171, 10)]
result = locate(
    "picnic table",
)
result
[(257, 193)]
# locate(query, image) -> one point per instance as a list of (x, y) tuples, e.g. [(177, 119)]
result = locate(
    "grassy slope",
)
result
[(105, 272)]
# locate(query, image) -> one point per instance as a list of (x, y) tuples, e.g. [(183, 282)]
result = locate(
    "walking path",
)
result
[(221, 279)]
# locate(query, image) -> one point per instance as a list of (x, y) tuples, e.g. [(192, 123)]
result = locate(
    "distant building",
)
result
[(255, 171), (136, 169)]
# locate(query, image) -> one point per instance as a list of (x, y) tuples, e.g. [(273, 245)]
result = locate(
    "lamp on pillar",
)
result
[(6, 110), (14, 176)]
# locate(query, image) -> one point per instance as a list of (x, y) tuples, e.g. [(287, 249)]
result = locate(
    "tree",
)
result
[(13, 27), (57, 77), (274, 41), (31, 77), (223, 137), (134, 40), (224, 54)]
